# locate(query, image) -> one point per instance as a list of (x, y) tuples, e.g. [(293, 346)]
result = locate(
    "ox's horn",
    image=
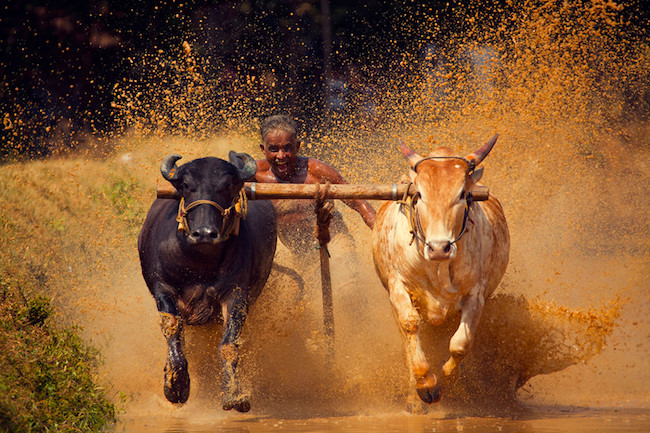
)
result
[(245, 164), (413, 158), (480, 154), (168, 167)]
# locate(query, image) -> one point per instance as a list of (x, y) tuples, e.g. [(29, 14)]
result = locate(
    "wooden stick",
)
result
[(328, 302), (264, 191)]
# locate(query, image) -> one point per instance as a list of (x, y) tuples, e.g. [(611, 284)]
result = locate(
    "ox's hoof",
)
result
[(177, 384), (240, 404), (451, 368), (416, 406), (430, 395)]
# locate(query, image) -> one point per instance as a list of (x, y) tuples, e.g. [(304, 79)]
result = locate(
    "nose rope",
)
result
[(232, 215), (415, 226)]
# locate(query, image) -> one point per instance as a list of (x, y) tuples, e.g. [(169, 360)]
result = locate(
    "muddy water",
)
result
[(293, 388), (539, 421)]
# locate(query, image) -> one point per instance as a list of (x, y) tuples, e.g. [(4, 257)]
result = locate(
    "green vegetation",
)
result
[(120, 195), (46, 374), (60, 223)]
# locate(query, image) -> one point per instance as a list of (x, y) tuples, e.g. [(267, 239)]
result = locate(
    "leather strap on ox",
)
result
[(416, 225), (413, 216), (232, 215)]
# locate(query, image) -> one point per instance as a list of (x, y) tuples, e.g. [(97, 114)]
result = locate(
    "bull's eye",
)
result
[(462, 195), (187, 187)]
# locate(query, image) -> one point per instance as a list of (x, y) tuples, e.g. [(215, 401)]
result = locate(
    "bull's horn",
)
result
[(245, 164), (413, 158), (168, 167), (480, 154)]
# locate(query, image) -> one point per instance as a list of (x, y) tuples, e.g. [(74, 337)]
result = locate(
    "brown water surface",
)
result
[(539, 420)]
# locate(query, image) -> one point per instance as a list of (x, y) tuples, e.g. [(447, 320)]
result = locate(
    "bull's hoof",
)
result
[(416, 406), (240, 404), (430, 395), (177, 384)]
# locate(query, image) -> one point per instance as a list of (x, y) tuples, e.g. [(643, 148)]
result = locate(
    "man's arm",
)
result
[(322, 173), (263, 174)]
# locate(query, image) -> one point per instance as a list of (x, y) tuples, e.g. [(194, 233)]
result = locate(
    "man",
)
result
[(282, 164), (296, 222)]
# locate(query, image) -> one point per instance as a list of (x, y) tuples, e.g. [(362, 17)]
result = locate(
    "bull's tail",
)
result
[(295, 276)]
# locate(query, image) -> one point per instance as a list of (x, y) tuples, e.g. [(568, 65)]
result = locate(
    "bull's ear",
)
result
[(245, 164), (476, 176)]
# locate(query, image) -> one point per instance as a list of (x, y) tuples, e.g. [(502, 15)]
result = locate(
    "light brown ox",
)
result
[(446, 265)]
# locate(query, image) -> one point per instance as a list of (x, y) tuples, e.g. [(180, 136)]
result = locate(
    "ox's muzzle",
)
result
[(208, 234), (204, 236), (440, 250)]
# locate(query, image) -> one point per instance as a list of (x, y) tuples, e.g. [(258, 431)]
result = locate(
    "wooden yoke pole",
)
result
[(264, 191)]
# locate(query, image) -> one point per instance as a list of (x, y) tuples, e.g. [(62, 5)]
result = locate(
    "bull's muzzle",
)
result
[(439, 250), (204, 236)]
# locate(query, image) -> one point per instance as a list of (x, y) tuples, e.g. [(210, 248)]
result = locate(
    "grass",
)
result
[(47, 381), (60, 220)]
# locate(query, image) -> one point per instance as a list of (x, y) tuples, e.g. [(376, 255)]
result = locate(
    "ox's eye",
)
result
[(462, 195), (187, 187)]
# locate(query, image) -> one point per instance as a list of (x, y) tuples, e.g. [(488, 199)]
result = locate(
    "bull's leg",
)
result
[(422, 380), (235, 314), (461, 341), (177, 378)]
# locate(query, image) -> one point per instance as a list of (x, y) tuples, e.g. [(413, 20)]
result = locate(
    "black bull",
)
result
[(202, 260)]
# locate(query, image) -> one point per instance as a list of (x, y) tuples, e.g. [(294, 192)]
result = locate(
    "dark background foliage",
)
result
[(61, 60)]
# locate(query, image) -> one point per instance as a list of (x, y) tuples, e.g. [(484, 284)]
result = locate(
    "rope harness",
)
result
[(232, 215), (323, 210), (415, 226)]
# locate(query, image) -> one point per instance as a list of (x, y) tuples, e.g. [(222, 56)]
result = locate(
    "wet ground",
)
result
[(537, 420)]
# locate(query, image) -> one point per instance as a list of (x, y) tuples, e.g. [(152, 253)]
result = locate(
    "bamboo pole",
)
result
[(264, 191)]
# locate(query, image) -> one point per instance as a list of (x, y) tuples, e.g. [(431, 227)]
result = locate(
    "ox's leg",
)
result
[(461, 341), (422, 380), (177, 378), (235, 312)]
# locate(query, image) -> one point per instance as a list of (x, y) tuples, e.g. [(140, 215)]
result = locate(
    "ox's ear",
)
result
[(412, 157), (245, 164), (475, 176)]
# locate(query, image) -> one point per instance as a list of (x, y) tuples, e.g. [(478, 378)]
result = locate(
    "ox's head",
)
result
[(443, 182), (209, 188)]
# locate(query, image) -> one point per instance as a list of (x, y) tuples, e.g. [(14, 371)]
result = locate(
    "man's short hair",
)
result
[(279, 121)]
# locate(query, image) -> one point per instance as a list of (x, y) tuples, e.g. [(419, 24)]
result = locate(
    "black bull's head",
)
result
[(211, 199)]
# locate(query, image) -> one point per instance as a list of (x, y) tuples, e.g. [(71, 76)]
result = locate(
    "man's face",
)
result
[(281, 151)]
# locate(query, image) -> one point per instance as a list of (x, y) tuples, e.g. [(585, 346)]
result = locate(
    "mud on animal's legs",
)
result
[(177, 378), (236, 311), (422, 382), (461, 341)]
